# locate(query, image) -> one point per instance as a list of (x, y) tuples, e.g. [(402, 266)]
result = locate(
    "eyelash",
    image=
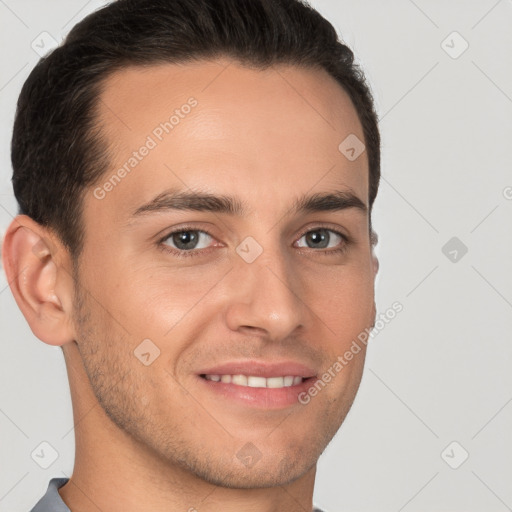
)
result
[(346, 241)]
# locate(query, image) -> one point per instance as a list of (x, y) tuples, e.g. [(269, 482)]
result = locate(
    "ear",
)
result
[(375, 264), (375, 267), (374, 239), (35, 265)]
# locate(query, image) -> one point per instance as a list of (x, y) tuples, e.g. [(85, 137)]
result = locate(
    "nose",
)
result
[(266, 298)]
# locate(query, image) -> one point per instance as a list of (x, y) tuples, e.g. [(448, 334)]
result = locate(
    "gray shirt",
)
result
[(52, 502)]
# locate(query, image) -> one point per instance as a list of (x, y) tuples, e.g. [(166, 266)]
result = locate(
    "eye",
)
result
[(187, 240), (323, 238)]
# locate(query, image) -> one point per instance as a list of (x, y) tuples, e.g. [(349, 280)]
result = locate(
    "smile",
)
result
[(254, 381)]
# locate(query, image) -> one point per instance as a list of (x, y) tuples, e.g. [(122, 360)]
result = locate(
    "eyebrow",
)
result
[(205, 202)]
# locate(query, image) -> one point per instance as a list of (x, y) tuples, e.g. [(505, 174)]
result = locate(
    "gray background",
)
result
[(440, 371)]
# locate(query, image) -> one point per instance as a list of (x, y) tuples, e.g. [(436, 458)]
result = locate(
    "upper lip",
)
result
[(260, 369)]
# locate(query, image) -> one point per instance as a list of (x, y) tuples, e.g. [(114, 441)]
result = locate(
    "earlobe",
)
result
[(33, 273)]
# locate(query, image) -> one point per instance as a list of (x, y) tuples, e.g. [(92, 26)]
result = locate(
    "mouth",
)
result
[(258, 385), (255, 381)]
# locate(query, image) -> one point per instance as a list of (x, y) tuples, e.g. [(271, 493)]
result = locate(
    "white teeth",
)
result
[(253, 381), (241, 380), (276, 382), (256, 382), (288, 380)]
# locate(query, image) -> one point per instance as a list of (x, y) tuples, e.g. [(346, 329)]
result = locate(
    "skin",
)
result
[(148, 437)]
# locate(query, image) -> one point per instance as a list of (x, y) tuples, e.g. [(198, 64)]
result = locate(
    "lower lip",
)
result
[(263, 398)]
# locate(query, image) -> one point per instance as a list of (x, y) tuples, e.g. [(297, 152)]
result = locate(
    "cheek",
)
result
[(343, 299), (167, 296), (154, 296), (164, 305)]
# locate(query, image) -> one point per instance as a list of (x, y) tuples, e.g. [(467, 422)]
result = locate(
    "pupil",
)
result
[(319, 236), (184, 239)]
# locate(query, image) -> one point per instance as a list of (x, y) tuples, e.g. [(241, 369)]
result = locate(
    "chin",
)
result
[(248, 467), (261, 475)]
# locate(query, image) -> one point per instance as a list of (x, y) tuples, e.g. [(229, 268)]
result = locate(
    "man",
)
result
[(195, 181)]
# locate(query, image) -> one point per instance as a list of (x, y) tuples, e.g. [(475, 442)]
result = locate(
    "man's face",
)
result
[(266, 292)]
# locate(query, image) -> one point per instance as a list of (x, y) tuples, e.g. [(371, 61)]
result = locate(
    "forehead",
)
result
[(219, 125)]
